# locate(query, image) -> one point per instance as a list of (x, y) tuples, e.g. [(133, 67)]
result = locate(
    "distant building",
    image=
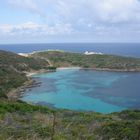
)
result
[(24, 54), (90, 53)]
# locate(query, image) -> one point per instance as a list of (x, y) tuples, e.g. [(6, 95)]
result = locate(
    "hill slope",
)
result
[(21, 121), (12, 69), (96, 61)]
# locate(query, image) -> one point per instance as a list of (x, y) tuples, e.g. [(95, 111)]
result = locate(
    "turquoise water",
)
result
[(87, 90)]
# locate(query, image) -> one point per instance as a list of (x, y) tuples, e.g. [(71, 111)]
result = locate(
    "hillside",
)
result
[(13, 68), (21, 63), (21, 121), (96, 61)]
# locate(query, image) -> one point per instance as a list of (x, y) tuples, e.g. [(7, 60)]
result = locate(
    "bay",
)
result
[(87, 90)]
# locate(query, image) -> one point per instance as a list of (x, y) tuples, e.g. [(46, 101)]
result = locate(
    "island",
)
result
[(20, 120)]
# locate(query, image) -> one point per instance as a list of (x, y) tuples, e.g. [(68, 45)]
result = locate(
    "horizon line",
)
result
[(30, 43)]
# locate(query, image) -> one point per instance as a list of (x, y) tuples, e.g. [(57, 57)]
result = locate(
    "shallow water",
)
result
[(87, 90)]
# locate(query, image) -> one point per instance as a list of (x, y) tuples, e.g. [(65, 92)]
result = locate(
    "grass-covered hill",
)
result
[(12, 68), (21, 121), (108, 62), (21, 63)]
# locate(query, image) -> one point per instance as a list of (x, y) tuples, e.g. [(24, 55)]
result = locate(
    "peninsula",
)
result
[(92, 61)]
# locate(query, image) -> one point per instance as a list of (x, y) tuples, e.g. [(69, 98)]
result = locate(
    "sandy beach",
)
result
[(31, 73), (65, 68)]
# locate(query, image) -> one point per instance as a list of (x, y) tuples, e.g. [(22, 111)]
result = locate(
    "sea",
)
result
[(124, 49), (84, 90)]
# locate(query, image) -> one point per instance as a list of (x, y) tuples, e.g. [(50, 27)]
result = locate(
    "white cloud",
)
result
[(30, 5), (92, 11), (35, 29), (118, 11), (24, 3), (94, 17)]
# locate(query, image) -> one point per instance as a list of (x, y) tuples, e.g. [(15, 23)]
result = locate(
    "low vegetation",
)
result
[(20, 63), (20, 121), (13, 68), (97, 61), (10, 79)]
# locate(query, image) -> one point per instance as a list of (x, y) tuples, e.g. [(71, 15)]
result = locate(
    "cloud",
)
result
[(95, 9), (106, 10), (34, 29), (118, 11), (97, 18), (30, 5), (88, 11)]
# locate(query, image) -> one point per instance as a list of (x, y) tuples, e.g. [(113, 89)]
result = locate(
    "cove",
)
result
[(86, 90)]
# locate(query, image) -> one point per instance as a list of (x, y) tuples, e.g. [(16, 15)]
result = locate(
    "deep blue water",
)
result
[(126, 49), (87, 90)]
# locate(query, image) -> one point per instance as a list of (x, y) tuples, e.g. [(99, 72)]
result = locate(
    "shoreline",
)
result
[(16, 93), (112, 70), (32, 73), (99, 69), (67, 68)]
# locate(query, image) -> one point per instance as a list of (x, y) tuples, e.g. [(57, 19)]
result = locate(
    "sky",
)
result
[(54, 21)]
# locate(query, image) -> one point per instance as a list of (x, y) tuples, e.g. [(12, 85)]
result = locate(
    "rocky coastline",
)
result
[(113, 70), (15, 94)]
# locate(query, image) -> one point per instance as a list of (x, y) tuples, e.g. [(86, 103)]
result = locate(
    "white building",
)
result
[(90, 53)]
